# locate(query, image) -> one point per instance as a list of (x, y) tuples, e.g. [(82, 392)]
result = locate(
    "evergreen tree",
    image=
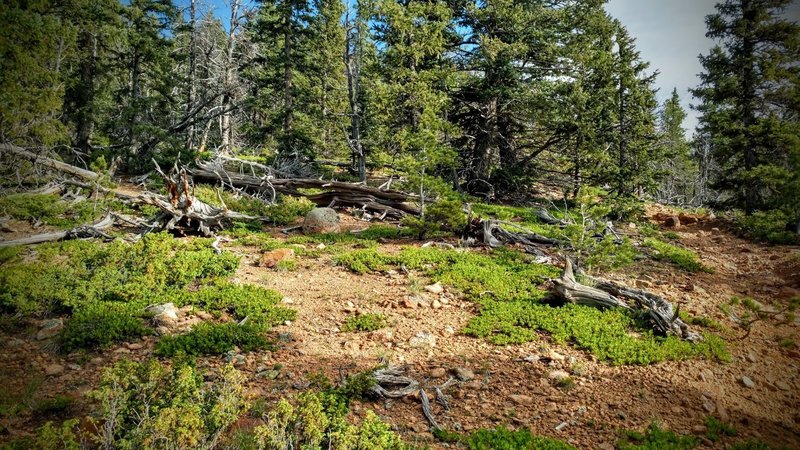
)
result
[(679, 169), (34, 41), (750, 103), (410, 101)]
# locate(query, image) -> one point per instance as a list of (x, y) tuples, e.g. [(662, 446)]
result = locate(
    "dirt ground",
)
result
[(510, 385)]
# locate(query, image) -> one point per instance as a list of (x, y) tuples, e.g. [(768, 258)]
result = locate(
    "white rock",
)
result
[(748, 382), (435, 288), (423, 339)]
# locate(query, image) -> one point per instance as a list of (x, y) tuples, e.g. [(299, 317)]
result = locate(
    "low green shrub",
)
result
[(503, 439), (49, 209), (364, 322), (445, 215), (681, 257), (750, 444), (611, 335), (213, 339), (716, 429), (655, 438), (100, 324)]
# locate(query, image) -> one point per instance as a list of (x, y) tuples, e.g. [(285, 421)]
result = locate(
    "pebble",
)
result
[(464, 374), (521, 399), (561, 426), (135, 345), (54, 369), (782, 385), (50, 328), (423, 339), (558, 375), (748, 382), (555, 356), (436, 304), (439, 372), (435, 288), (751, 357)]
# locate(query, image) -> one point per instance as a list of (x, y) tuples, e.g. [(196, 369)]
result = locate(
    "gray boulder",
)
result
[(321, 220)]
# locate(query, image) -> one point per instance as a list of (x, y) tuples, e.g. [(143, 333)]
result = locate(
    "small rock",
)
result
[(782, 385), (74, 366), (558, 375), (410, 302), (272, 258), (435, 288), (531, 358), (439, 372), (321, 220), (134, 345), (606, 446), (709, 406), (751, 357), (464, 374), (436, 304), (715, 231), (555, 356), (643, 284), (521, 399), (449, 330), (747, 382), (287, 323), (561, 426), (673, 222), (320, 246), (49, 328), (622, 415), (474, 384), (699, 429), (287, 300), (423, 339), (97, 361), (54, 369)]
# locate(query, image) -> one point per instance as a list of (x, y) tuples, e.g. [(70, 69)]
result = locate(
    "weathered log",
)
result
[(49, 162), (659, 310), (385, 202), (491, 233), (80, 232), (570, 290)]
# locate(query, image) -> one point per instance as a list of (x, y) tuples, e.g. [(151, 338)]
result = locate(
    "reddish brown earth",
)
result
[(506, 389)]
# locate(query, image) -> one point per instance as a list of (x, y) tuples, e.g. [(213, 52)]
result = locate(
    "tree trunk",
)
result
[(226, 127)]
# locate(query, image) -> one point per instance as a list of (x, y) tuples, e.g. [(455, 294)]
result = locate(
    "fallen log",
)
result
[(80, 232), (49, 162), (570, 290), (385, 202), (491, 233), (606, 294)]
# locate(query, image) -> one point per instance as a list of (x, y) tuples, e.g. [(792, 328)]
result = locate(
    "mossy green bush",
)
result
[(503, 439), (445, 215), (49, 209), (679, 256), (656, 438), (612, 335), (107, 287), (213, 339), (364, 322)]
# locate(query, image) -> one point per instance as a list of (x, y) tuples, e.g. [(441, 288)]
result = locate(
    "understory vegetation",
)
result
[(106, 288), (514, 308)]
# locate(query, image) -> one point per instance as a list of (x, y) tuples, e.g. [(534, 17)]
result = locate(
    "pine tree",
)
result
[(679, 169), (750, 103)]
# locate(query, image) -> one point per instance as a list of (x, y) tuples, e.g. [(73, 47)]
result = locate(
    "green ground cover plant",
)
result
[(514, 306), (105, 288), (501, 438), (656, 438), (49, 209), (679, 256), (364, 322)]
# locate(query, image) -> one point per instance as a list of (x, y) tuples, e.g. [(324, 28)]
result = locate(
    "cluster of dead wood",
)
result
[(180, 210)]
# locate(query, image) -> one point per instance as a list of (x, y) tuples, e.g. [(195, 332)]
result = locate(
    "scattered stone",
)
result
[(435, 288), (673, 222), (561, 426), (474, 384), (643, 284), (321, 220), (606, 446), (287, 301), (531, 358), (622, 415), (423, 339), (287, 323), (165, 315), (436, 304), (449, 330), (49, 328), (54, 369), (715, 231), (555, 356), (235, 358), (122, 350), (320, 246), (272, 258), (134, 345), (410, 302), (782, 385), (97, 361), (73, 366), (751, 357), (558, 375), (747, 382), (709, 406), (464, 374), (699, 429), (439, 372), (521, 399)]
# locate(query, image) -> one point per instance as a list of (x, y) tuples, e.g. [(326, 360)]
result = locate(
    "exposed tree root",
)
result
[(80, 232)]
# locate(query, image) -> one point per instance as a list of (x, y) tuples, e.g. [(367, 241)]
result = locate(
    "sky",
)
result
[(671, 35)]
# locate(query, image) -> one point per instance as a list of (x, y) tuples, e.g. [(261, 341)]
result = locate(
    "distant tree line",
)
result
[(484, 97)]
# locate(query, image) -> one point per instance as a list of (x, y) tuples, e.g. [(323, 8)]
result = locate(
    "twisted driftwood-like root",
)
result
[(606, 294)]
